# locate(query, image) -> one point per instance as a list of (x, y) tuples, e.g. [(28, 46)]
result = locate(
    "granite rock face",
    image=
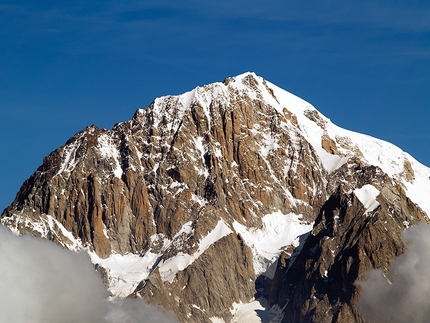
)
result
[(227, 192), (318, 283)]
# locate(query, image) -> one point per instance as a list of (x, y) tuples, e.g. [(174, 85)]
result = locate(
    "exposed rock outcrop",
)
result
[(318, 283)]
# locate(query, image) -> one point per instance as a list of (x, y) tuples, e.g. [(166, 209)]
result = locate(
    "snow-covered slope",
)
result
[(317, 128)]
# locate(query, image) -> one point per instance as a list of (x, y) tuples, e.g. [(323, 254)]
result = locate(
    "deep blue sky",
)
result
[(69, 64)]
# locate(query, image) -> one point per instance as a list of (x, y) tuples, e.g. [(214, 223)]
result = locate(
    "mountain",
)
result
[(234, 191)]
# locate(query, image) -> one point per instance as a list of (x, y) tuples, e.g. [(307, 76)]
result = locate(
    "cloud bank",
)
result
[(404, 294), (42, 282)]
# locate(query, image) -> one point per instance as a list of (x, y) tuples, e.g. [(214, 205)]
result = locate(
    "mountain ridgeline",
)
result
[(232, 191)]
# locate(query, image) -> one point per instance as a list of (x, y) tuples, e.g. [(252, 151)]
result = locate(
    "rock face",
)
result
[(318, 283), (191, 202)]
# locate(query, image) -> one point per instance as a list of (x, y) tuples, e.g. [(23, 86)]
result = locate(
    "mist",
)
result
[(404, 294), (42, 282)]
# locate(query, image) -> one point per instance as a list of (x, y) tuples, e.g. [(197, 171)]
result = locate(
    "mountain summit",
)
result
[(234, 191)]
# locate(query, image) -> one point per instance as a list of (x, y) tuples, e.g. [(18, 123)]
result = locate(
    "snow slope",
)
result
[(278, 231), (390, 158)]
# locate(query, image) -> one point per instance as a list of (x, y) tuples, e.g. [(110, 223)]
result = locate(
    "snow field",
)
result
[(367, 196), (278, 231)]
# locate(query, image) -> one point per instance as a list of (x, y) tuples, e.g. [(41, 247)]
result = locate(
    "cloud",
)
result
[(403, 295), (136, 311), (41, 282)]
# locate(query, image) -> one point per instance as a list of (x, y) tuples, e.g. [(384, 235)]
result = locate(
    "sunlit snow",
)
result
[(367, 196), (278, 231), (125, 272), (170, 267), (390, 158), (109, 151), (256, 311)]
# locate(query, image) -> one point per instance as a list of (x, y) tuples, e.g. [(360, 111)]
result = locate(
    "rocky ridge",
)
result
[(225, 193)]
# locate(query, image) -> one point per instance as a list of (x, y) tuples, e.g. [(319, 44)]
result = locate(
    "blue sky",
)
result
[(69, 64)]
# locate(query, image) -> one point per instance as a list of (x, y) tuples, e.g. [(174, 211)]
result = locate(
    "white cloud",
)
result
[(404, 294), (41, 282)]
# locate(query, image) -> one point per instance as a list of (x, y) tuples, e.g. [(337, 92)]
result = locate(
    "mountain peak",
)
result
[(204, 199)]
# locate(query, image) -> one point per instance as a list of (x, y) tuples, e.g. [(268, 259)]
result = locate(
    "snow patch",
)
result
[(418, 190), (330, 162), (109, 151), (255, 311), (269, 143), (367, 196), (170, 267), (278, 231), (125, 272), (200, 146), (69, 158), (197, 199)]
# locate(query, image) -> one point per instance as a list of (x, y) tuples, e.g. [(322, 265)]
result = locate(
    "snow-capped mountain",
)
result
[(205, 201)]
